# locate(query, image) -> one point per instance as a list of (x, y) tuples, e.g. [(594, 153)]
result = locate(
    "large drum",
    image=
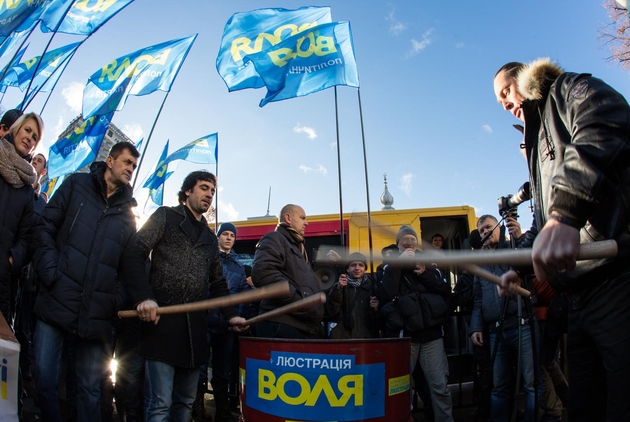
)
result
[(324, 380)]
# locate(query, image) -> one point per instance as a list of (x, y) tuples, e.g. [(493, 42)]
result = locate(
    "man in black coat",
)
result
[(80, 238), (281, 255), (185, 266)]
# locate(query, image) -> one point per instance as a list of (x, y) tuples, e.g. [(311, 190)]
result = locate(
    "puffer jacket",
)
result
[(577, 138), (80, 238), (234, 274), (185, 267), (16, 228), (279, 258)]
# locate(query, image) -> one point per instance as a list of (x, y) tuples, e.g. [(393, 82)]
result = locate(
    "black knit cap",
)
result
[(10, 117)]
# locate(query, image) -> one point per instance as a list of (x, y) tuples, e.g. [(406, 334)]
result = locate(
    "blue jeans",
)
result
[(502, 373), (169, 391), (48, 345)]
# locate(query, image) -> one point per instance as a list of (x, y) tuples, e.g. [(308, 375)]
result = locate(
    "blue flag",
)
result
[(52, 61), (308, 62), (83, 18), (158, 176), (79, 148), (255, 31), (51, 186), (139, 145), (201, 151), (18, 15), (15, 39), (139, 73), (10, 78)]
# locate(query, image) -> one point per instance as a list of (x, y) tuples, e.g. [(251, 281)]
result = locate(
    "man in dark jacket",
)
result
[(487, 310), (79, 239), (185, 267), (427, 346), (578, 151), (281, 256), (353, 302)]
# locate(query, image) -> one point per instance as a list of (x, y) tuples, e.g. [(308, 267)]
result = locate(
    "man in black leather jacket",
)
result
[(578, 150)]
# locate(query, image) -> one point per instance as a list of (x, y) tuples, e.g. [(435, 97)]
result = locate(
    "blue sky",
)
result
[(432, 123)]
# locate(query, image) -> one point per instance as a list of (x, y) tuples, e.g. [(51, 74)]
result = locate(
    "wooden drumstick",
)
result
[(254, 295), (307, 302), (487, 275)]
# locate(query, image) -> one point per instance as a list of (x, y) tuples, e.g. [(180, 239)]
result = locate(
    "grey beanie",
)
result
[(405, 230)]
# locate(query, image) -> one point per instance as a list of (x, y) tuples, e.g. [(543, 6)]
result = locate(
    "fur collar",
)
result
[(534, 79)]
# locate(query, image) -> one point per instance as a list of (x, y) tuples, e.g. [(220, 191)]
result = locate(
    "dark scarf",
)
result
[(299, 239)]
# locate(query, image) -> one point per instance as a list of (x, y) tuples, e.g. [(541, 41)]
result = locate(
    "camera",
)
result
[(508, 205)]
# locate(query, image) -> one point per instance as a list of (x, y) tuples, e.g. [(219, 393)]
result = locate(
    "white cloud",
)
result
[(395, 27), (227, 211), (418, 46), (133, 131), (333, 145), (405, 183), (460, 45), (319, 169), (73, 94), (310, 132), (487, 128)]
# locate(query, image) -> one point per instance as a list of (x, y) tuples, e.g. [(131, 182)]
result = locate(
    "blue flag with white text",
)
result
[(311, 61), (14, 39), (201, 151), (139, 73), (251, 32), (52, 61), (82, 18), (19, 15), (79, 148)]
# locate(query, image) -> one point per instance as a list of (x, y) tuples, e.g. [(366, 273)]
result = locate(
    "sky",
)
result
[(430, 118)]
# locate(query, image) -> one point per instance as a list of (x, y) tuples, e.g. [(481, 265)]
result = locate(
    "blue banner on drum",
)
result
[(315, 387)]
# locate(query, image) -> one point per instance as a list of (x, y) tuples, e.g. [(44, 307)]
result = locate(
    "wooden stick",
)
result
[(254, 295), (307, 302), (487, 275)]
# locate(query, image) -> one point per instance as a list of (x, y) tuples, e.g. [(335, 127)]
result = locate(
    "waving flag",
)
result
[(10, 78), (51, 62), (139, 73), (18, 15), (83, 18), (139, 144), (79, 148), (308, 62), (51, 186), (252, 32), (158, 176), (16, 38), (201, 151)]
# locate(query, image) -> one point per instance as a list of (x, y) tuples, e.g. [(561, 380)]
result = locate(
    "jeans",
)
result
[(432, 358), (169, 391), (48, 345), (502, 373), (598, 348)]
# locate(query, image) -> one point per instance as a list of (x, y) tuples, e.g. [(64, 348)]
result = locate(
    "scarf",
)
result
[(14, 169), (356, 282), (299, 239)]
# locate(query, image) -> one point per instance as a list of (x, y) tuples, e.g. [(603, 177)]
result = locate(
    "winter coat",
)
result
[(279, 258), (401, 279), (184, 268), (578, 147), (234, 274), (351, 304), (80, 238)]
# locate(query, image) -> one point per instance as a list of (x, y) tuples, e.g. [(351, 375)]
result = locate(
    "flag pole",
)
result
[(367, 187), (15, 54), (39, 62), (146, 146), (341, 230)]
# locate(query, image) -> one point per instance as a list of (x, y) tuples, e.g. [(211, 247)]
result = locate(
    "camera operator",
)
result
[(501, 316), (579, 162)]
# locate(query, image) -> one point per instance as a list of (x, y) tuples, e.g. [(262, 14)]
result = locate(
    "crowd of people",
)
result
[(73, 261)]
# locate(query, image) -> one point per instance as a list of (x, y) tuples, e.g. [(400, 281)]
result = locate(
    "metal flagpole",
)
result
[(367, 187), (146, 146), (39, 62), (341, 230)]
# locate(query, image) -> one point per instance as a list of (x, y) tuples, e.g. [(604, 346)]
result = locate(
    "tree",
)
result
[(616, 35)]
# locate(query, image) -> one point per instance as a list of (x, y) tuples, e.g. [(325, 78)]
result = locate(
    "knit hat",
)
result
[(10, 117), (226, 227), (356, 257), (405, 230)]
